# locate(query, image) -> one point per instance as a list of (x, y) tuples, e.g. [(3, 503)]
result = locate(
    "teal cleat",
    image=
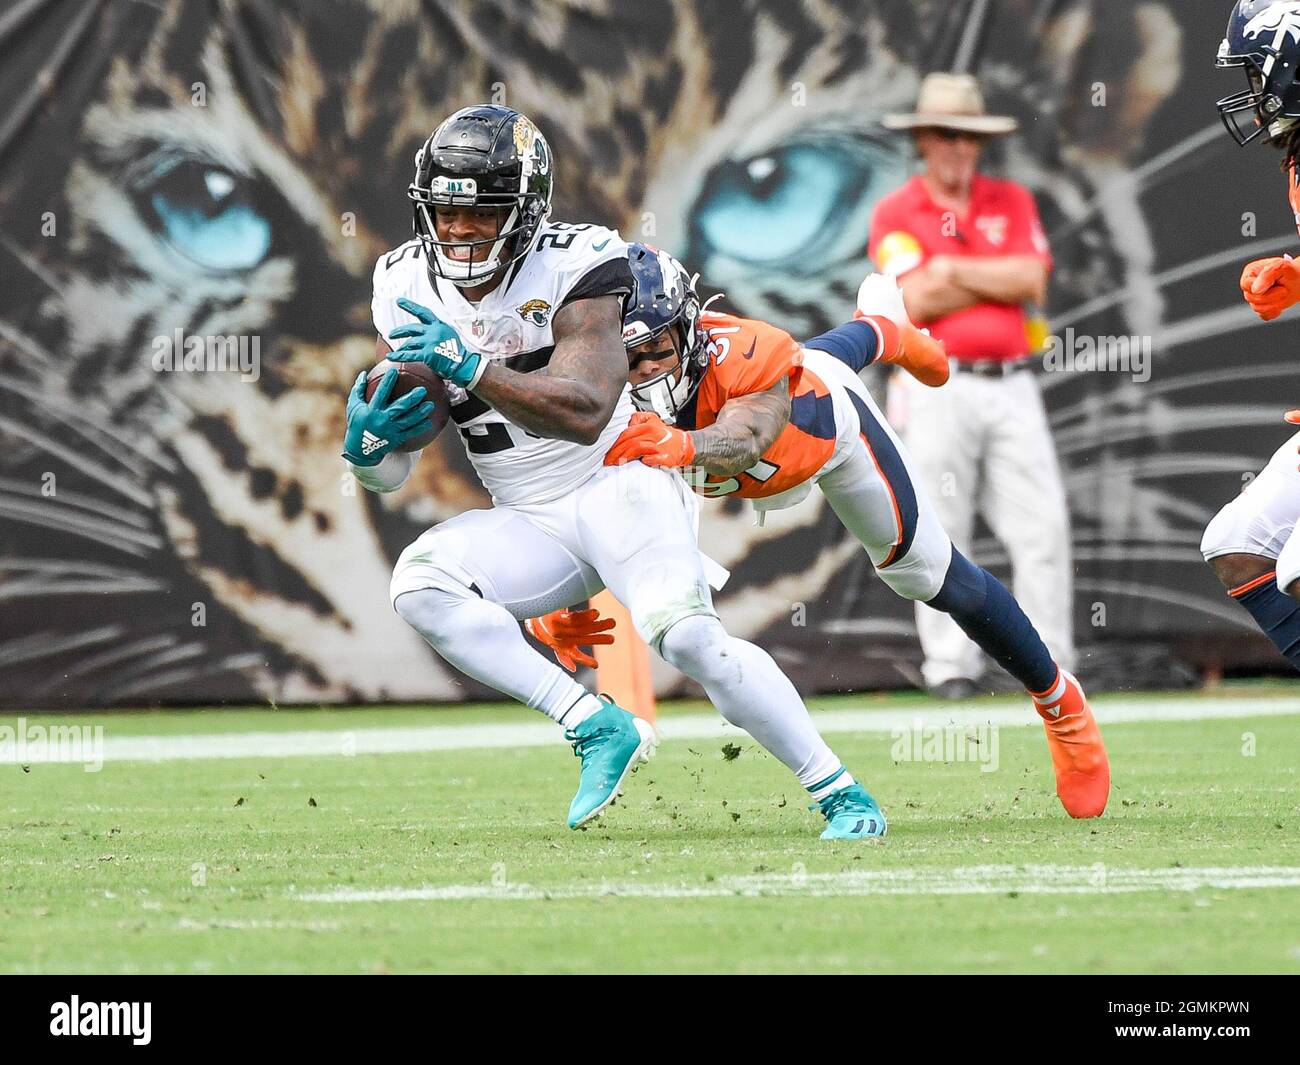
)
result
[(852, 813), (611, 743)]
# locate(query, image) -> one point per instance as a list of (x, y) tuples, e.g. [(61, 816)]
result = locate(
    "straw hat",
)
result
[(951, 101)]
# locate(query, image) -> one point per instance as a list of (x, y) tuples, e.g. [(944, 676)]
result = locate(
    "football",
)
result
[(413, 375)]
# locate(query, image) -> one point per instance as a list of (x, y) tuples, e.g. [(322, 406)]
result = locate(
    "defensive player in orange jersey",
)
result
[(742, 409), (1252, 544)]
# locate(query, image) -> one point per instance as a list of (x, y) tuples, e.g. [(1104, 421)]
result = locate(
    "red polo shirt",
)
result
[(908, 227)]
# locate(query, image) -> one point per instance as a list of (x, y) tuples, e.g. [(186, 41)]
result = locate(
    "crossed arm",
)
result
[(950, 283)]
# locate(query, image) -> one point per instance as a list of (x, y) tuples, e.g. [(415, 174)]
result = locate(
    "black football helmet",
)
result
[(664, 299), (482, 156), (1264, 38)]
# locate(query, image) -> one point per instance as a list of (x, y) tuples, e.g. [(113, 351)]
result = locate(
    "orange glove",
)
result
[(567, 631), (1271, 285), (652, 441)]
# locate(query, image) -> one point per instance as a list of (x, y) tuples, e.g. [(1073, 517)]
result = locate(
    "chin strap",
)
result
[(662, 397), (664, 402), (489, 266), (657, 396)]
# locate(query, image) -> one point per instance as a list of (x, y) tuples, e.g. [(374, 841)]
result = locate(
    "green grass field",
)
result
[(708, 863)]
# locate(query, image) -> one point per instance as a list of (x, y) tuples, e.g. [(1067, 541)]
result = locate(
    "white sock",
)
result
[(822, 788), (484, 641), (750, 691)]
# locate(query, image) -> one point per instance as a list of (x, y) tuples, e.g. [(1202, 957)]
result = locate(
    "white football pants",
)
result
[(982, 445), (464, 584), (1262, 519)]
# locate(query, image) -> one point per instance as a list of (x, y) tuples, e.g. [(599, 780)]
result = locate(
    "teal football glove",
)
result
[(376, 427), (437, 345)]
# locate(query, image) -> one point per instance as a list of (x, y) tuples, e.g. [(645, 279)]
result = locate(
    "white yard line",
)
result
[(977, 880), (339, 742)]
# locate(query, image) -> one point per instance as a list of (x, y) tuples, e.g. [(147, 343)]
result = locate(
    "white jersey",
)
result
[(512, 325)]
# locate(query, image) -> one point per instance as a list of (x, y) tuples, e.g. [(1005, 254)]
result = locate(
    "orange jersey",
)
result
[(748, 356), (1293, 194)]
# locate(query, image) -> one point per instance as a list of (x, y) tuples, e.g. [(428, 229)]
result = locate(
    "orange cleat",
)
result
[(914, 350), (880, 301), (1078, 752), (922, 356)]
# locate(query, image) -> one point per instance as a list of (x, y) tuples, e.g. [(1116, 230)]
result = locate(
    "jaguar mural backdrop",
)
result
[(229, 170)]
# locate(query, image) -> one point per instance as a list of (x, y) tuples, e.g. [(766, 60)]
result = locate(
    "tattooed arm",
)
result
[(574, 397), (746, 427)]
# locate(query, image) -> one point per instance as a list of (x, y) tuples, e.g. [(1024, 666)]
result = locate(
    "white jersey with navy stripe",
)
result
[(512, 325)]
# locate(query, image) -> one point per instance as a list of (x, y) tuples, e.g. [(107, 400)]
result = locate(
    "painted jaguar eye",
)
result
[(206, 213), (794, 203)]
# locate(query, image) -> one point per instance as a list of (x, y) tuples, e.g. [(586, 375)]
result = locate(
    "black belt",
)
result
[(994, 367)]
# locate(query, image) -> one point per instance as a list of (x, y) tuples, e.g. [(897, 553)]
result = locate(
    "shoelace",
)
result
[(841, 802), (583, 744)]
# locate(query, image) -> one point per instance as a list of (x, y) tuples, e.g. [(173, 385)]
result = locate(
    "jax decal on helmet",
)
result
[(485, 156)]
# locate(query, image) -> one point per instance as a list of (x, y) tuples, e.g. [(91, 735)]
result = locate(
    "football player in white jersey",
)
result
[(523, 318)]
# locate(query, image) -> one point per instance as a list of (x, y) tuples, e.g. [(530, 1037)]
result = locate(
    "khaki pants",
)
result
[(982, 445)]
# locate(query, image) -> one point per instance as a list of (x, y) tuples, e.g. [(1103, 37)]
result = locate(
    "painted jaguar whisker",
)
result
[(78, 461), (89, 423), (123, 652), (46, 644), (109, 534), (122, 517), (1144, 177), (156, 682), (1192, 268)]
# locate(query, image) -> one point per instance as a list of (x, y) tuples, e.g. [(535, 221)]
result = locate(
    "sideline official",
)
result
[(970, 253)]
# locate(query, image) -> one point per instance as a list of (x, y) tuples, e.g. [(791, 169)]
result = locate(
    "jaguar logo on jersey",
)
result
[(535, 311), (1284, 17)]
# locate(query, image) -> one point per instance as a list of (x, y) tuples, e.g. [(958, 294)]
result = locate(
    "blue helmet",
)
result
[(665, 299), (1264, 38)]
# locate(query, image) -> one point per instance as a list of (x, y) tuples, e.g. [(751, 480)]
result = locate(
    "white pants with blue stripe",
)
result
[(1262, 519), (982, 445)]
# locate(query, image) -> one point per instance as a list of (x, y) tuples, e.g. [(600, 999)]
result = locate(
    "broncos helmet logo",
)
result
[(1281, 16)]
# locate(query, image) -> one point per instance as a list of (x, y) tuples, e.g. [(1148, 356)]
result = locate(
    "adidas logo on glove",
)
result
[(371, 443), (449, 349)]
